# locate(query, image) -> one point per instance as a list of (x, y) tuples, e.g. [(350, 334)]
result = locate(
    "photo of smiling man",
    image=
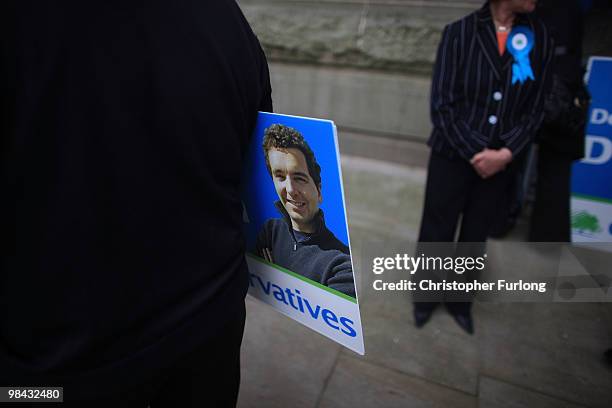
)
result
[(299, 239)]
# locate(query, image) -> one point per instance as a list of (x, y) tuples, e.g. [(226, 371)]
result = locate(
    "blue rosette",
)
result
[(520, 43)]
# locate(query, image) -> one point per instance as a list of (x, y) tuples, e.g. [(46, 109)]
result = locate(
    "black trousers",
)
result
[(455, 192), (550, 220), (207, 377)]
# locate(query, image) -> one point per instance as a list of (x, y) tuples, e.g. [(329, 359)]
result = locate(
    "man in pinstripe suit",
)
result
[(484, 116)]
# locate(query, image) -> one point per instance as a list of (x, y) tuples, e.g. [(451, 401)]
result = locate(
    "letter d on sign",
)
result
[(600, 116), (606, 150)]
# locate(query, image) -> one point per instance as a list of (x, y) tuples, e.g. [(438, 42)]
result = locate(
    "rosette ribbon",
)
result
[(520, 43)]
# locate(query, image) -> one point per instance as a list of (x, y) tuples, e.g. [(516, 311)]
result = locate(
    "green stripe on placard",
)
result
[(304, 279), (592, 198)]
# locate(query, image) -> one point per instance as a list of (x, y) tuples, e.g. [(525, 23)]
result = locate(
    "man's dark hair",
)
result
[(283, 137)]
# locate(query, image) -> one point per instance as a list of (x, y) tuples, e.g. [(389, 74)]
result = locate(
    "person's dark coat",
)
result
[(567, 104), (123, 128)]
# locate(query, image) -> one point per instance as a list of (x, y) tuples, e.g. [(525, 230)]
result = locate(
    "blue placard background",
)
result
[(595, 180), (259, 193)]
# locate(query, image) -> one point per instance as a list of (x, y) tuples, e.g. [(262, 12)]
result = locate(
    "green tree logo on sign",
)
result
[(585, 222)]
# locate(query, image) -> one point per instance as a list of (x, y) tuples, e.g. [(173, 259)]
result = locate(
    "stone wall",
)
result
[(398, 36), (364, 64)]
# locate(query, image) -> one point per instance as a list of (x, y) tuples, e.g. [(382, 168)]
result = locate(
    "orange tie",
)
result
[(502, 37)]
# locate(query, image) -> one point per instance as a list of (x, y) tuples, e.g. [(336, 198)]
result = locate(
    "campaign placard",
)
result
[(296, 227), (591, 177)]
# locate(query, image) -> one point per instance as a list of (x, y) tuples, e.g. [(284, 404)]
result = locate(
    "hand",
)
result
[(490, 162)]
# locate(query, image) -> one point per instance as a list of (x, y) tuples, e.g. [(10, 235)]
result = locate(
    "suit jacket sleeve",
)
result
[(445, 94)]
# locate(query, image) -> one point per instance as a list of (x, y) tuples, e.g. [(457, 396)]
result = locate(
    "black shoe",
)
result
[(421, 317), (422, 313), (608, 357), (465, 322), (462, 315)]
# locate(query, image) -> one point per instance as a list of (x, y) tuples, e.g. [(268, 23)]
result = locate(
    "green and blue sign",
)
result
[(592, 176)]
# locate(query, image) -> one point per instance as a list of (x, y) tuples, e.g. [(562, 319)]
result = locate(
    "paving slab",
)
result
[(498, 394), (552, 348), (383, 198), (357, 383), (440, 352), (283, 363)]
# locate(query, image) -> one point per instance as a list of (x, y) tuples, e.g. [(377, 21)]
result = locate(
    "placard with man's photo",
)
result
[(295, 221)]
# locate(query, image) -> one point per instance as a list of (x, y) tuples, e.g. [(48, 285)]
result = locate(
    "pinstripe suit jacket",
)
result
[(474, 104)]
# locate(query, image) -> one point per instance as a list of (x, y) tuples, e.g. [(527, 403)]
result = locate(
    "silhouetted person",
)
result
[(561, 138), (487, 102), (123, 130)]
